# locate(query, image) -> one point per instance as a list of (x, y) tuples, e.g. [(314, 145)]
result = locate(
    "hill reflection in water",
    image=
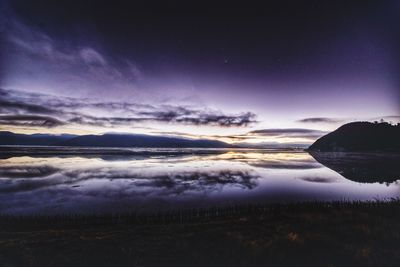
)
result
[(362, 167)]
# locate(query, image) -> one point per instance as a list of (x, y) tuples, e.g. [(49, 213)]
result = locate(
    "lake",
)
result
[(87, 181)]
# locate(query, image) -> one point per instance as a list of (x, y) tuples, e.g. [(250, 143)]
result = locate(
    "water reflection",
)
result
[(115, 183), (27, 171), (318, 179), (362, 167)]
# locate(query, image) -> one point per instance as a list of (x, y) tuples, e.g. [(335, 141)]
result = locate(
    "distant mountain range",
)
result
[(9, 138), (107, 140), (360, 137), (355, 136)]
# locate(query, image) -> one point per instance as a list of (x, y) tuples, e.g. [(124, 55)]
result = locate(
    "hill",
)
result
[(360, 137), (9, 138)]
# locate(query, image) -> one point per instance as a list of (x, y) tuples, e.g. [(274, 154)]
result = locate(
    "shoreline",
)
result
[(194, 215), (339, 234)]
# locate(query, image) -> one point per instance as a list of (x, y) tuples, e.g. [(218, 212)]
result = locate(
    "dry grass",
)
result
[(308, 234)]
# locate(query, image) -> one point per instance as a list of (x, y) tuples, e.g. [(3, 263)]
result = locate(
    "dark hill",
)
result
[(360, 136), (106, 140), (134, 140)]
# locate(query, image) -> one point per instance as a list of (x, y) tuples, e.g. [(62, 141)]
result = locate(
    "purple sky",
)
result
[(285, 72)]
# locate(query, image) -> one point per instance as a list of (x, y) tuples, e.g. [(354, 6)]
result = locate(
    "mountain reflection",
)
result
[(362, 167)]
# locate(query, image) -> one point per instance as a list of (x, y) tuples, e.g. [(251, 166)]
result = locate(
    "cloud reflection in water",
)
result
[(93, 184)]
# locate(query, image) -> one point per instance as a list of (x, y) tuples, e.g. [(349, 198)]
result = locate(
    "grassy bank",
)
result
[(307, 234)]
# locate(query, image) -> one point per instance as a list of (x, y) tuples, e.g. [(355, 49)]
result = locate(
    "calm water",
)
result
[(163, 181)]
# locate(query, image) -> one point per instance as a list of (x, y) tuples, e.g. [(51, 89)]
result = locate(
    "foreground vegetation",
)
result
[(303, 234)]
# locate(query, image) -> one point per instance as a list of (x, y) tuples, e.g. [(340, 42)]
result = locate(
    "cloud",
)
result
[(35, 44), (91, 56), (51, 111), (396, 117), (262, 136), (30, 120), (32, 109), (318, 179), (393, 118), (319, 120), (389, 118), (52, 61), (188, 135)]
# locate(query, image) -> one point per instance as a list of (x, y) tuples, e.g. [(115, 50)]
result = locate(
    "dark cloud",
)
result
[(30, 120), (15, 106), (289, 132), (20, 108), (220, 120), (195, 118), (319, 120)]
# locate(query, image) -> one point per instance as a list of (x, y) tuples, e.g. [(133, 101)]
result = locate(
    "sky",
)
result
[(283, 72)]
